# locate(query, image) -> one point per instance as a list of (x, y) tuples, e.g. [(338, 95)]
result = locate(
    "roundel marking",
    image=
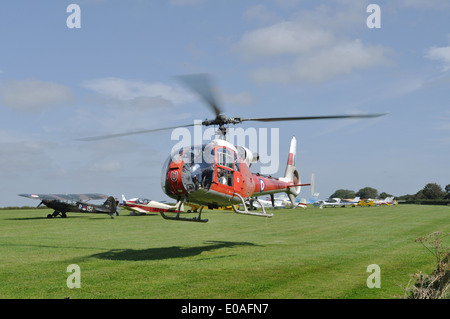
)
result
[(262, 185)]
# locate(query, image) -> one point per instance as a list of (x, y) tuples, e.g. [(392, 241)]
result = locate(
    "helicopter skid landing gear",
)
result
[(247, 212), (177, 216)]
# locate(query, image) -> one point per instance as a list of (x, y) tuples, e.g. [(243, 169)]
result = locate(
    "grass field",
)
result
[(312, 253)]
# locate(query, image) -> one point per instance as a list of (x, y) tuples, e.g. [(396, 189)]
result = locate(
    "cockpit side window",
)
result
[(221, 175), (225, 157), (224, 176), (236, 163), (230, 178)]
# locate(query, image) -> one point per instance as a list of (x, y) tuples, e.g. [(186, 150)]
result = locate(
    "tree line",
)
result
[(366, 192), (431, 191)]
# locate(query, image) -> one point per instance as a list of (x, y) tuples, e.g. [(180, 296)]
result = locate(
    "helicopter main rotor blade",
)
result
[(201, 84), (102, 137), (293, 118), (236, 120)]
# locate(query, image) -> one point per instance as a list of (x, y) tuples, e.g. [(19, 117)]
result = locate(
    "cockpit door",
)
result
[(225, 173), (238, 183)]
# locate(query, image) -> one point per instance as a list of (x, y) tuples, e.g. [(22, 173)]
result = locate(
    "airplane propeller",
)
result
[(201, 85)]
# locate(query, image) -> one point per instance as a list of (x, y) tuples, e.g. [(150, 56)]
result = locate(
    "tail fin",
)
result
[(111, 204), (292, 174)]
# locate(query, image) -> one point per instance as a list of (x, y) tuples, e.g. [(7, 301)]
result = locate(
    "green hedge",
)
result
[(427, 202)]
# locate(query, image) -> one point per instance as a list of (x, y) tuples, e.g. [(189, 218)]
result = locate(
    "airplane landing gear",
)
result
[(56, 213)]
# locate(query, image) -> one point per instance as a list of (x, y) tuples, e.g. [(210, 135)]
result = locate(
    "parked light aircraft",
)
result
[(74, 203), (282, 201), (366, 202), (144, 205), (218, 173), (386, 201), (273, 202), (333, 202), (352, 202)]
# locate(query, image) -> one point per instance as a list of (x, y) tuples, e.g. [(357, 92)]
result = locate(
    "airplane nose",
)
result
[(174, 178)]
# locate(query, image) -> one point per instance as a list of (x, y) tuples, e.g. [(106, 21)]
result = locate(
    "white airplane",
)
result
[(302, 203), (282, 201), (353, 201), (386, 201), (278, 202), (333, 202), (141, 206)]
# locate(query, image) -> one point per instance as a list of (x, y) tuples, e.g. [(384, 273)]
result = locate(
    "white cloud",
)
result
[(404, 86), (286, 37), (325, 64), (137, 93), (340, 59), (34, 95), (15, 160), (310, 46), (241, 99), (440, 54)]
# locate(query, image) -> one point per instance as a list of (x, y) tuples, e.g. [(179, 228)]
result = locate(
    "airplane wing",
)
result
[(134, 208), (64, 197)]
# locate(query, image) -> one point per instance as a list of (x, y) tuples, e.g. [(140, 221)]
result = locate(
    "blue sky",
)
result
[(267, 58)]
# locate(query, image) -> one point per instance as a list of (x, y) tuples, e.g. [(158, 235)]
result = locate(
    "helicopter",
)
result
[(217, 174)]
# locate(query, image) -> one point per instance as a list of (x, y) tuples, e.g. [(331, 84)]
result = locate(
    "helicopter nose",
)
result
[(174, 178)]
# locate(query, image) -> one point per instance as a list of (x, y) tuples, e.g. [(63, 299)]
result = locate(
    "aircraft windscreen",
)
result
[(198, 167)]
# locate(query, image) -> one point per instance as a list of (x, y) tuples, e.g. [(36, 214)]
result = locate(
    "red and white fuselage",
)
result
[(217, 174), (143, 205)]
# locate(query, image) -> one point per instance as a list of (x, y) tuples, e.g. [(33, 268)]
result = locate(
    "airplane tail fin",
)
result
[(292, 174), (111, 204)]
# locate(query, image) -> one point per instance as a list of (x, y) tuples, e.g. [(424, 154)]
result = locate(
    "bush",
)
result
[(437, 284)]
